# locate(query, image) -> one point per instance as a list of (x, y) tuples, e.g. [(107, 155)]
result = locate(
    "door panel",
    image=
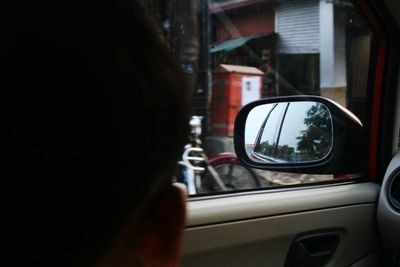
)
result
[(389, 206), (258, 229)]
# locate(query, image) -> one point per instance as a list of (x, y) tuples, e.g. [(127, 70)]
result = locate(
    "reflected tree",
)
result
[(266, 148), (284, 152), (316, 141)]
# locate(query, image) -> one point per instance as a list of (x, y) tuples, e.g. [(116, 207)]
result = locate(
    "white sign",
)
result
[(250, 89)]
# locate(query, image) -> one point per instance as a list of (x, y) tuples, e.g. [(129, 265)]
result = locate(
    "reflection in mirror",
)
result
[(289, 132)]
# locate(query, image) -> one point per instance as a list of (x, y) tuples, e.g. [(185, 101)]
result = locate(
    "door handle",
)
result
[(312, 250)]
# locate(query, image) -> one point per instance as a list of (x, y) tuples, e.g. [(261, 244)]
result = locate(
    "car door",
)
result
[(324, 223)]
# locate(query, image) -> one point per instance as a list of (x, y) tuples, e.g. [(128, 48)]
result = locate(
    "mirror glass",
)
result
[(289, 132)]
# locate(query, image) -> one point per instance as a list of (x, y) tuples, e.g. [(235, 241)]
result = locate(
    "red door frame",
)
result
[(379, 63)]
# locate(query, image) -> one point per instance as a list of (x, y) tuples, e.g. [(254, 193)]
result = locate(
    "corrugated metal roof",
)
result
[(230, 45)]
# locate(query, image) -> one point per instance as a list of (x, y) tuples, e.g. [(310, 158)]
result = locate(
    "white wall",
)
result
[(327, 49), (333, 46), (340, 48)]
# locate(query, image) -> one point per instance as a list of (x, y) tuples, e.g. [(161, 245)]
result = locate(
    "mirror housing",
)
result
[(346, 154)]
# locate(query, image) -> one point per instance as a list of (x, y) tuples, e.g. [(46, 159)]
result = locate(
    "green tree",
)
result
[(316, 141)]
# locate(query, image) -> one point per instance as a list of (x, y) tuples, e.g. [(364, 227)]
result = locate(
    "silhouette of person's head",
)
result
[(93, 120)]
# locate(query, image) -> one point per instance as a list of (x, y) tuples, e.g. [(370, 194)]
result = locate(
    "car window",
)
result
[(237, 51)]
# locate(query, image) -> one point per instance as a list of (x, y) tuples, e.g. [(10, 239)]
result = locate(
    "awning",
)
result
[(230, 44)]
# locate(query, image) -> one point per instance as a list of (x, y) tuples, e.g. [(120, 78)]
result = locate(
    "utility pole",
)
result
[(177, 22), (184, 38), (205, 60)]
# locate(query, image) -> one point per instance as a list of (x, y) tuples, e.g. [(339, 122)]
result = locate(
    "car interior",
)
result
[(293, 157), (350, 220)]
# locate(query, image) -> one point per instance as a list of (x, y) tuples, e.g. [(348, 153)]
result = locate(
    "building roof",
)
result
[(239, 69), (230, 45), (217, 6)]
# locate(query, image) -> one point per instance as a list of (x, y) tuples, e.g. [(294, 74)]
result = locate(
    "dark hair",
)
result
[(93, 115)]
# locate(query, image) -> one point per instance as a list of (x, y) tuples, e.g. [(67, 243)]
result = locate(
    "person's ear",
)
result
[(154, 237), (162, 229)]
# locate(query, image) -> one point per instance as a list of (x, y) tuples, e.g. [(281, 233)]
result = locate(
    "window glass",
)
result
[(272, 124), (237, 51)]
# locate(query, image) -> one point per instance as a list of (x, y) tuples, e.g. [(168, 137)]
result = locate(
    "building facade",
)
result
[(304, 46)]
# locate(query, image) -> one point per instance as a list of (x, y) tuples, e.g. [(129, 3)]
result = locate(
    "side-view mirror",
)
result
[(300, 134)]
